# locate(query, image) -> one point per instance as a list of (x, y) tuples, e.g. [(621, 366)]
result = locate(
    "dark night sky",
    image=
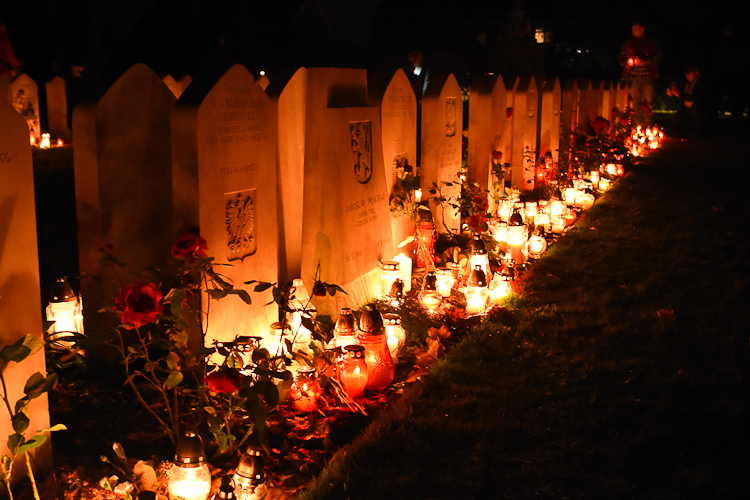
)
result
[(196, 36)]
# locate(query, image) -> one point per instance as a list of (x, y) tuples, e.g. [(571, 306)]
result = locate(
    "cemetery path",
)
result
[(624, 372)]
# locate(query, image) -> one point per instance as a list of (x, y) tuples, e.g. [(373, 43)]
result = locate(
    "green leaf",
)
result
[(262, 287), (243, 295), (56, 427), (20, 422), (33, 442), (216, 293), (22, 405), (21, 349), (14, 441), (174, 379), (173, 361), (38, 384)]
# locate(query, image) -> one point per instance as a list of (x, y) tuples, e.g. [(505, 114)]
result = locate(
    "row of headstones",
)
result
[(293, 182)]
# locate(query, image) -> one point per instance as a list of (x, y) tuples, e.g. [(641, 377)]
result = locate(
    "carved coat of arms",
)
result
[(361, 141), (240, 224)]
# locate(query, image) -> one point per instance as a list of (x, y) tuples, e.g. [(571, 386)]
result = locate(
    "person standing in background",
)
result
[(639, 58)]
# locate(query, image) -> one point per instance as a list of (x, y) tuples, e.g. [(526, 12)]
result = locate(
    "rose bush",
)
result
[(189, 246), (139, 304)]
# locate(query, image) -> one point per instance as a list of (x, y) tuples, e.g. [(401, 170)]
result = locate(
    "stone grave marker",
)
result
[(331, 160), (596, 99), (623, 89), (227, 164), (568, 114), (523, 157), (57, 110), (20, 300), (584, 97), (441, 137), (394, 97), (608, 100), (549, 119), (487, 127), (23, 96), (123, 181)]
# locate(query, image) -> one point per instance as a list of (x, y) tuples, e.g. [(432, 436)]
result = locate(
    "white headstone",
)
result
[(395, 99), (523, 159), (20, 301), (549, 119), (441, 138), (24, 97), (596, 100), (584, 98), (487, 127), (123, 180), (568, 115), (228, 138)]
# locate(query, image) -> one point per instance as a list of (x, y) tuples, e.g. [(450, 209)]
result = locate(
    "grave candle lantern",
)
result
[(536, 246), (604, 184), (556, 207), (594, 176), (429, 297), (353, 371), (306, 389), (302, 308), (66, 310), (275, 343), (249, 476), (380, 368), (558, 224), (189, 478), (517, 236), (478, 256), (45, 142), (476, 291), (343, 331), (445, 281), (505, 209), (396, 295), (498, 289), (424, 238), (396, 336), (390, 271)]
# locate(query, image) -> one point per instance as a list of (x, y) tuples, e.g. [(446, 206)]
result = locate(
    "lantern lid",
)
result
[(345, 323), (508, 273), (477, 244), (425, 217), (477, 277), (355, 350), (306, 370), (226, 490), (443, 271), (189, 452), (62, 291), (391, 319), (370, 321), (430, 281), (389, 265), (516, 219), (250, 469)]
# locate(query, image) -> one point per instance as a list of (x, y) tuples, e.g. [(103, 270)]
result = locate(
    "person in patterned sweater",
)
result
[(639, 58)]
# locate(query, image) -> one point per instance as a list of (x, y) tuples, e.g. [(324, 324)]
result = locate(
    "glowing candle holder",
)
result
[(302, 307), (536, 245), (353, 371), (65, 308), (505, 209), (276, 343), (380, 367), (396, 336), (390, 271), (424, 237), (445, 281), (558, 224), (250, 475), (396, 295), (499, 289), (556, 207), (429, 297), (189, 477), (517, 236), (478, 255), (531, 211), (604, 184), (594, 176), (405, 265), (476, 292), (306, 389)]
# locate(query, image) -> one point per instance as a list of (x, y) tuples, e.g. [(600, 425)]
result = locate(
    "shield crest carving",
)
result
[(240, 224)]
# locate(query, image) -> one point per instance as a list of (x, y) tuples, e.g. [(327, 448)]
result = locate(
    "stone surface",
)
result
[(623, 89), (57, 110), (584, 97), (549, 118), (224, 154), (331, 140), (488, 131), (596, 99), (24, 97), (123, 181), (394, 97), (568, 114), (608, 99), (523, 158), (177, 87), (440, 155), (20, 301)]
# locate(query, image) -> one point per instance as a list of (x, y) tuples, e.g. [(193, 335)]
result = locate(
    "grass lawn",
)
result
[(621, 372)]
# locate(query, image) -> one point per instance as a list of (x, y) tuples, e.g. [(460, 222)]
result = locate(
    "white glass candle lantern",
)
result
[(476, 291), (250, 475), (558, 224), (445, 281), (536, 246), (302, 307), (306, 389), (478, 255), (189, 477), (344, 333), (380, 367), (405, 264), (276, 341), (604, 184), (353, 371), (517, 236), (585, 200), (429, 297), (531, 211), (569, 195), (556, 207), (594, 176), (498, 290), (66, 310), (505, 209), (543, 220), (396, 336), (390, 271)]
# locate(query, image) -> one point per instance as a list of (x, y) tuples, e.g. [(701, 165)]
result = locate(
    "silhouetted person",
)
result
[(639, 58), (696, 107)]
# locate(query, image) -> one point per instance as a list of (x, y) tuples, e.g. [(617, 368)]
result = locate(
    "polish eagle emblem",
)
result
[(240, 224)]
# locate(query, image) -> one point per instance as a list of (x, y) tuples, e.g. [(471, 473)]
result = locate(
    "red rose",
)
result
[(319, 289), (509, 113), (140, 304), (188, 246), (225, 381), (481, 204), (475, 223), (600, 124), (497, 156)]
